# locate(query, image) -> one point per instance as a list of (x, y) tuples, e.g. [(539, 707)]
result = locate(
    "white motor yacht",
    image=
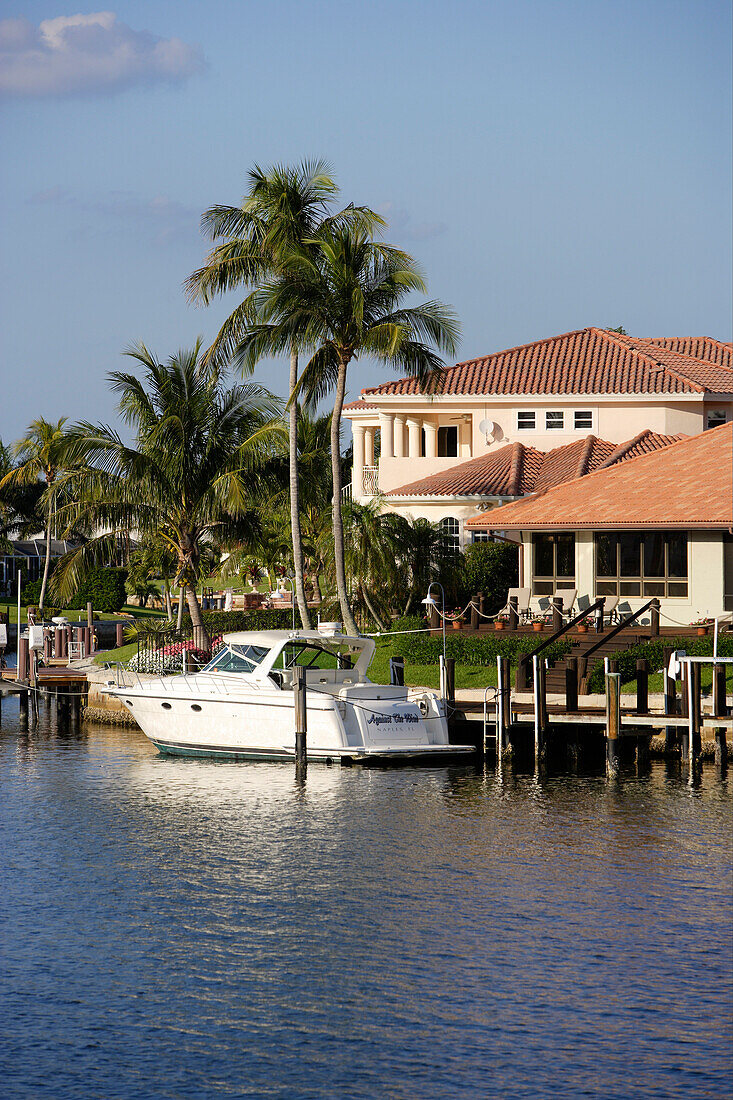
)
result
[(241, 705)]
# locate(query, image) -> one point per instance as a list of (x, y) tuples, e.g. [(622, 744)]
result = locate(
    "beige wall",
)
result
[(705, 577), (614, 419)]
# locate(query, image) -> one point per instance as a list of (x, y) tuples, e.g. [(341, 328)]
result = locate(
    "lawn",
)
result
[(81, 616)]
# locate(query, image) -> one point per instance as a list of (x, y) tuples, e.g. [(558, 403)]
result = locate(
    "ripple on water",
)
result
[(194, 929)]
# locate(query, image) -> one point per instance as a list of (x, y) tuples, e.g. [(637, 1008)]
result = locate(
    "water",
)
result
[(186, 929)]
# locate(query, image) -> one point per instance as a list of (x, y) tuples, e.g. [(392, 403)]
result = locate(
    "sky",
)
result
[(551, 165)]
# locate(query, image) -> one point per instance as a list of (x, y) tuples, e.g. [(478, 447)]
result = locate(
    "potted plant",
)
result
[(583, 624), (457, 619), (538, 624), (702, 626), (501, 622)]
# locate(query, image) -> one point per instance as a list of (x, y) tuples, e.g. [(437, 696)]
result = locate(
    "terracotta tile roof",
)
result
[(700, 347), (591, 360), (358, 406), (686, 485), (516, 470)]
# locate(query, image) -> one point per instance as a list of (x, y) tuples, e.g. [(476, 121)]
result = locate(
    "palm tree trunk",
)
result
[(338, 524), (297, 537), (201, 639), (181, 595), (167, 594), (44, 582), (372, 611)]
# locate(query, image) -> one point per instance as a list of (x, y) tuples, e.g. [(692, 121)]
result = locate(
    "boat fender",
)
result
[(423, 707)]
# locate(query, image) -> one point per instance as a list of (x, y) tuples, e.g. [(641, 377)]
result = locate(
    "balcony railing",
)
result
[(370, 481)]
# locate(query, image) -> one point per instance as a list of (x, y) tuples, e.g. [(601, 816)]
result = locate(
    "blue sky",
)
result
[(551, 164)]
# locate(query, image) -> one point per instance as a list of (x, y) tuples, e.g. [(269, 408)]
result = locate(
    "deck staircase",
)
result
[(555, 678)]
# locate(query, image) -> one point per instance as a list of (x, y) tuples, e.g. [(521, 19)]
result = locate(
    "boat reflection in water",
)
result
[(241, 705)]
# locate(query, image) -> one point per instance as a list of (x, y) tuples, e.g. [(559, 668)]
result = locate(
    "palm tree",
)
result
[(188, 477), (38, 457), (340, 298), (283, 208)]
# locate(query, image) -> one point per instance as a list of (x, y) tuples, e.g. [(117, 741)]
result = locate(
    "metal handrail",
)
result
[(527, 658), (619, 627)]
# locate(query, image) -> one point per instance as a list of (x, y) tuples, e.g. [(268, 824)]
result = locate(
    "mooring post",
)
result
[(482, 605), (571, 684), (90, 617), (720, 710), (23, 664), (397, 671), (46, 644), (642, 687), (57, 644), (513, 612), (556, 602), (450, 683), (654, 617), (540, 709), (33, 675), (434, 620), (119, 635), (613, 722), (474, 623), (694, 712), (301, 715)]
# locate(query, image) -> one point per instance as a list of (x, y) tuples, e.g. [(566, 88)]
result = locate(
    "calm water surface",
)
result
[(192, 929)]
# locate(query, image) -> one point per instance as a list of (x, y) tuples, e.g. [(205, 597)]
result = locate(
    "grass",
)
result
[(76, 615), (112, 656)]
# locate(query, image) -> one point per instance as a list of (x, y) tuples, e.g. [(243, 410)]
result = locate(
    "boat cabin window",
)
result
[(237, 658), (309, 655)]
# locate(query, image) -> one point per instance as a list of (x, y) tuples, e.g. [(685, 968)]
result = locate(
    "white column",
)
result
[(399, 437), (385, 425), (464, 439), (357, 476), (413, 437), (369, 446), (431, 439)]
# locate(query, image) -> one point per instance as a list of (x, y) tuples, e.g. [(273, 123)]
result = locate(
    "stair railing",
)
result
[(526, 660), (653, 604)]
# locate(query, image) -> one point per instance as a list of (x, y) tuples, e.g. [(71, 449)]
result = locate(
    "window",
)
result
[(480, 536), (526, 421), (451, 528), (554, 420), (636, 563), (554, 562), (448, 442), (583, 418), (715, 418)]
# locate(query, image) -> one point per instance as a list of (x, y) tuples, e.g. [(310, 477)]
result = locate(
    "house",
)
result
[(540, 397), (659, 524), (29, 556)]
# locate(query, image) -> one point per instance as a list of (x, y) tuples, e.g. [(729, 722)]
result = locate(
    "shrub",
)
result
[(104, 588), (653, 652), (225, 622), (491, 568), (477, 650)]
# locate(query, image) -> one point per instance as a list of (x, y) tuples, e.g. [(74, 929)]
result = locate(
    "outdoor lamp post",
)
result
[(429, 602)]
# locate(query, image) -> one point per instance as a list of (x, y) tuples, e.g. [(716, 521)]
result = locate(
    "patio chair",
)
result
[(567, 595), (539, 608), (523, 601), (610, 609)]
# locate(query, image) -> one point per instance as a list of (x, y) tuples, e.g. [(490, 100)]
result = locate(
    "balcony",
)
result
[(370, 481)]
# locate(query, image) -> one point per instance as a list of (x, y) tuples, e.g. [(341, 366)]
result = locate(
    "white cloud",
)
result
[(78, 54), (163, 219)]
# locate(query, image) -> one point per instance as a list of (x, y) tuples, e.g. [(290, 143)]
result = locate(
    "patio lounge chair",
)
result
[(567, 595)]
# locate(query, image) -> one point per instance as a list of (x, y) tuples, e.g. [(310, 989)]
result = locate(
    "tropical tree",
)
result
[(284, 207), (188, 477), (341, 298), (38, 458)]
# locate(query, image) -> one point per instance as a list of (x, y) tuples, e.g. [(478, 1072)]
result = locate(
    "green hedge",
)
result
[(653, 652), (477, 650), (104, 588), (218, 622)]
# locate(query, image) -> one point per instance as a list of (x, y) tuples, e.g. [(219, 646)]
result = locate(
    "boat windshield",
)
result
[(237, 658), (315, 655)]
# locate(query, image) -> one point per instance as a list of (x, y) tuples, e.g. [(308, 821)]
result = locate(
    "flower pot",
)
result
[(457, 625), (499, 626), (582, 628), (702, 631), (538, 627)]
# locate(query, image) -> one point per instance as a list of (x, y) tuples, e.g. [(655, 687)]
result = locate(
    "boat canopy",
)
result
[(261, 651)]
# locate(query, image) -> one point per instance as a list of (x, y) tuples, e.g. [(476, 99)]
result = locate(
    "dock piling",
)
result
[(540, 710), (613, 722), (301, 714), (503, 705), (642, 687), (450, 683), (571, 685), (720, 710)]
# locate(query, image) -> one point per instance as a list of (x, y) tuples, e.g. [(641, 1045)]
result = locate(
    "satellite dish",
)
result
[(488, 427)]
